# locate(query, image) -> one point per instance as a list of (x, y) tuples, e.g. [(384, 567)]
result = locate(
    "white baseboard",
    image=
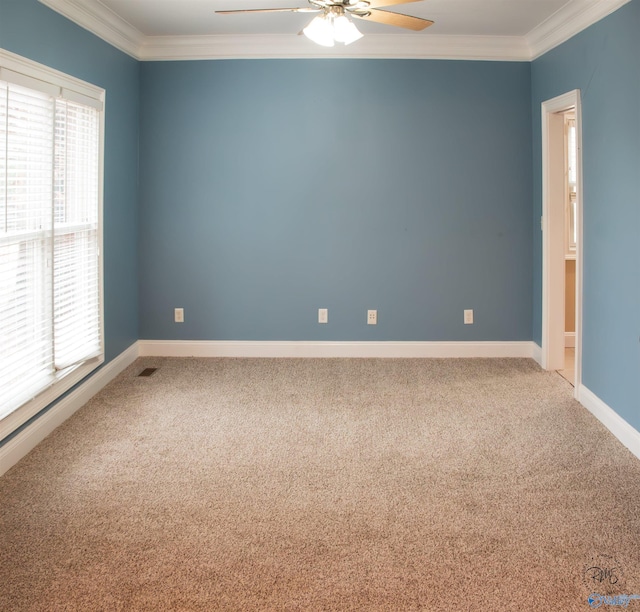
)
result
[(537, 353), (181, 348), (628, 435), (20, 445), (569, 339)]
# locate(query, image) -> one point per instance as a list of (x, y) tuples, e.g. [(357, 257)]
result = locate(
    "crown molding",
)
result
[(390, 46), (571, 19), (101, 21), (562, 25)]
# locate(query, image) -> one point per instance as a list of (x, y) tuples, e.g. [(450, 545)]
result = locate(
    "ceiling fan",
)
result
[(333, 24)]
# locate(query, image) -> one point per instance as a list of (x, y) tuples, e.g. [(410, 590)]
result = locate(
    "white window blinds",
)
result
[(76, 308), (50, 287)]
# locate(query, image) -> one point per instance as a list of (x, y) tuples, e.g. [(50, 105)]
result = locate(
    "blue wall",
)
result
[(604, 63), (34, 31), (271, 188)]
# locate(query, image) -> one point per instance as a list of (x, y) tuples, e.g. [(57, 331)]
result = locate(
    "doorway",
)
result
[(562, 235)]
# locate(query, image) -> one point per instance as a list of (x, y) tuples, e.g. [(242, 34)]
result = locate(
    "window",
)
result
[(51, 330), (571, 228)]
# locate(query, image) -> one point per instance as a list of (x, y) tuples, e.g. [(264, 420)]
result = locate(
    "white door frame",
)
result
[(553, 266)]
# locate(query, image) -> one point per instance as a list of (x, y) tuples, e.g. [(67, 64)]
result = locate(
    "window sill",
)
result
[(22, 414)]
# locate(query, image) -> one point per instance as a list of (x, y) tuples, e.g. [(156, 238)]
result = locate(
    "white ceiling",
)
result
[(197, 17), (474, 29)]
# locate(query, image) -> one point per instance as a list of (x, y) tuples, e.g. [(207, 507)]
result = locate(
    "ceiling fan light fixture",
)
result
[(334, 25), (345, 31), (320, 31)]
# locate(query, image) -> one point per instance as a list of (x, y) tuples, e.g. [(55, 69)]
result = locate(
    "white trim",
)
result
[(553, 312), (389, 46), (101, 21), (570, 20), (41, 72), (623, 431), (15, 419), (19, 446), (569, 339), (110, 27), (302, 349), (579, 287), (537, 353)]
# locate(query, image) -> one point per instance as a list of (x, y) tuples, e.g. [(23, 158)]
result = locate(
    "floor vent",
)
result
[(147, 372)]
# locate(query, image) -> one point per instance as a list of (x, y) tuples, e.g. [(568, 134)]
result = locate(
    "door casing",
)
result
[(553, 221)]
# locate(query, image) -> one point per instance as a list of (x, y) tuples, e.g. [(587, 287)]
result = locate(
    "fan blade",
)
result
[(272, 10), (377, 3), (395, 19)]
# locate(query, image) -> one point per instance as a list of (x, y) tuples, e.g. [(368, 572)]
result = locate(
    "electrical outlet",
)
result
[(468, 317), (323, 315), (178, 315), (372, 317)]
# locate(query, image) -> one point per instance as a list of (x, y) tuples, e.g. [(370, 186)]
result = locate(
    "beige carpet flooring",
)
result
[(230, 484)]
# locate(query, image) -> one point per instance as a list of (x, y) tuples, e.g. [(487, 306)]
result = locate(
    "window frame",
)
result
[(80, 91)]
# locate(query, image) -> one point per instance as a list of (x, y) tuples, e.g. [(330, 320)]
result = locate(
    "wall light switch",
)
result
[(178, 315), (323, 315), (468, 317)]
